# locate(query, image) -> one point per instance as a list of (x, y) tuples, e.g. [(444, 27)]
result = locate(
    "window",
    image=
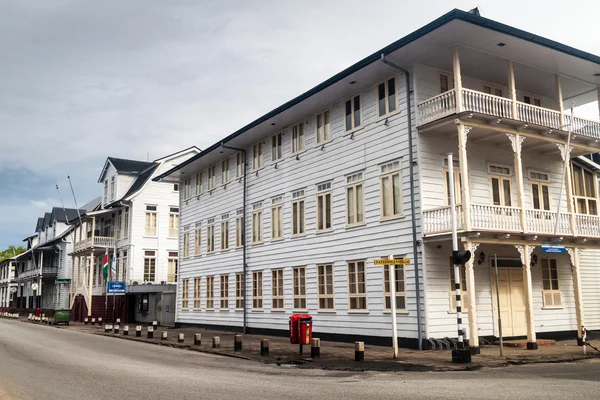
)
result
[(239, 221), (276, 147), (353, 113), (298, 213), (124, 267), (185, 287), (212, 177), (324, 207), (239, 165), (176, 187), (149, 266), (150, 221), (446, 82), (457, 182), (173, 222), (299, 278), (197, 293), (172, 264), (277, 287), (239, 291), (112, 188), (117, 231), (386, 95), (357, 287), (391, 192), (198, 240), (528, 99), (540, 190), (400, 287), (186, 244), (257, 224), (225, 234), (224, 292), (323, 127), (355, 200), (225, 171), (105, 196), (126, 223), (551, 292), (210, 237), (298, 138), (210, 292), (257, 156), (463, 288), (490, 89), (584, 190), (500, 181), (187, 188), (277, 218), (144, 300), (257, 301), (199, 188)]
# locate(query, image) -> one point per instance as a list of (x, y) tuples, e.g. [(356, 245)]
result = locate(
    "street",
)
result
[(43, 362)]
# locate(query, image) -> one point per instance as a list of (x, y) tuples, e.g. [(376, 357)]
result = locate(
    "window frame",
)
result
[(298, 142), (239, 223), (224, 235), (257, 156), (277, 147), (197, 304), (224, 292), (502, 178), (150, 270), (326, 134), (541, 183), (188, 193), (298, 214), (210, 292), (225, 172), (113, 184), (257, 226), (583, 185), (239, 165), (395, 170), (277, 218), (357, 295), (257, 290), (126, 223), (299, 288), (212, 177), (149, 216), (386, 98), (210, 238), (354, 184), (198, 240), (240, 287), (450, 78), (387, 288), (186, 244), (352, 100), (493, 89), (185, 288), (325, 193), (546, 263), (173, 223), (199, 187), (277, 290)]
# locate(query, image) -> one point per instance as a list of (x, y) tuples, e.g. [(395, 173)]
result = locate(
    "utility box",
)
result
[(300, 329)]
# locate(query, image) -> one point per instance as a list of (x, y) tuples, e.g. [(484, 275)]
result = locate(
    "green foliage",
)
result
[(11, 252)]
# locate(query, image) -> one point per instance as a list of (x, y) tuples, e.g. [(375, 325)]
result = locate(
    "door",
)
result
[(512, 301)]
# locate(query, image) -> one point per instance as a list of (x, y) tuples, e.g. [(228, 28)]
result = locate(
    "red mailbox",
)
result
[(300, 329)]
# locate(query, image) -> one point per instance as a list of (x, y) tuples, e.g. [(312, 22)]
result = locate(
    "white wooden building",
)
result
[(329, 185), (8, 285)]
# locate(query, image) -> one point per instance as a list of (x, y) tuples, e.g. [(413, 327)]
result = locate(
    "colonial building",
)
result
[(8, 285), (289, 213), (136, 222)]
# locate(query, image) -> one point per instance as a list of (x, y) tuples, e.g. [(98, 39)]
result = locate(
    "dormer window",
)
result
[(112, 188), (105, 196)]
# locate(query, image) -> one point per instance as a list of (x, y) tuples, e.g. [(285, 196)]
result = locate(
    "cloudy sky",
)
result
[(84, 79)]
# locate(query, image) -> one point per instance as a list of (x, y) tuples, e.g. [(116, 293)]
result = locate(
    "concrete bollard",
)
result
[(150, 332), (93, 321), (197, 339), (116, 329), (359, 351), (164, 335), (118, 320), (100, 321), (43, 315), (264, 347), (155, 324), (126, 330), (180, 338), (138, 331), (216, 342), (107, 328), (85, 321), (315, 348), (237, 343)]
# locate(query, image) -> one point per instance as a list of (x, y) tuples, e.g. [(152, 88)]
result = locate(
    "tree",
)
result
[(11, 251)]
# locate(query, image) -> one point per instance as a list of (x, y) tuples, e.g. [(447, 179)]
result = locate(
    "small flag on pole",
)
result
[(105, 266)]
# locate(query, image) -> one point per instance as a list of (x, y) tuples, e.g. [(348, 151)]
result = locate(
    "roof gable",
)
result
[(124, 166)]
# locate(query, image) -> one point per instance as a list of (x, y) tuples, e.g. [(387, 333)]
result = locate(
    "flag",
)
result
[(105, 266)]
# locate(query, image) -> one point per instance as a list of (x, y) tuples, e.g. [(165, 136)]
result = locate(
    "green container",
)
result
[(62, 316)]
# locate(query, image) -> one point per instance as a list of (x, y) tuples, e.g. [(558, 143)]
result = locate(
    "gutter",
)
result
[(411, 163), (244, 266)]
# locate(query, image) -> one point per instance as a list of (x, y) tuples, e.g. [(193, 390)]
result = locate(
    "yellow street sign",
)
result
[(397, 261)]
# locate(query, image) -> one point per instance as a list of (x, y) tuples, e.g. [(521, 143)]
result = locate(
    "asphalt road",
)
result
[(40, 362)]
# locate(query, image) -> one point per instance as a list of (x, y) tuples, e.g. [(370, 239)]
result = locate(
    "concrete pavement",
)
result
[(40, 362)]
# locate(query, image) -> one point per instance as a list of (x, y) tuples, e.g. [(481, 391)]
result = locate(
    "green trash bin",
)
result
[(62, 316)]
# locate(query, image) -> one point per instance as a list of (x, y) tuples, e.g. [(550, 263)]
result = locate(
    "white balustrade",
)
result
[(583, 126), (486, 103), (437, 107), (538, 115), (439, 220), (104, 241), (496, 218), (539, 221), (587, 225)]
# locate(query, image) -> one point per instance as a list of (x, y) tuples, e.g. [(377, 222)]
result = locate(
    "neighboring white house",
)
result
[(8, 284), (137, 223), (331, 186)]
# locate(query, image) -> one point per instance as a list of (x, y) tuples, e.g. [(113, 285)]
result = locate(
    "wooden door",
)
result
[(512, 301)]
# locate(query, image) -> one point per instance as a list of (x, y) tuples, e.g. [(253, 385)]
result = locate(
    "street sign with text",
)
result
[(396, 261), (116, 287)]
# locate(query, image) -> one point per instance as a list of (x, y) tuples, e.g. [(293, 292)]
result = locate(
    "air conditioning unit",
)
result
[(135, 283), (163, 282)]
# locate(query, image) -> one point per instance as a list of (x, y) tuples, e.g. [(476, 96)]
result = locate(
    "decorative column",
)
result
[(512, 89), (457, 80), (463, 132), (91, 277), (566, 157), (516, 142), (525, 253), (71, 295), (472, 305), (575, 254), (559, 101)]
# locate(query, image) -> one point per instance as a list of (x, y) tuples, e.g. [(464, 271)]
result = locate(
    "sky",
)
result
[(81, 80)]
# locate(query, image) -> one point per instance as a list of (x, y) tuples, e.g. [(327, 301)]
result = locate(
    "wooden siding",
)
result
[(590, 287)]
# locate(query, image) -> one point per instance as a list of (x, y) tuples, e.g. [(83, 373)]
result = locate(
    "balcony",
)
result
[(444, 105), (95, 242), (47, 271), (508, 219)]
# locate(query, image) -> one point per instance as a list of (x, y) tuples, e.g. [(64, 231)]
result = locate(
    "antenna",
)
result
[(75, 200), (62, 203)]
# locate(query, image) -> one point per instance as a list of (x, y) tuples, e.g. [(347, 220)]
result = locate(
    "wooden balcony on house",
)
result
[(102, 242)]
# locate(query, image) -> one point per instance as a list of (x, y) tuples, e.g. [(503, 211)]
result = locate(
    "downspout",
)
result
[(412, 195), (245, 323)]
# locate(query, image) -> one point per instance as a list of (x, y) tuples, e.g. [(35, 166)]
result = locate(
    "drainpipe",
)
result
[(412, 194), (245, 323)]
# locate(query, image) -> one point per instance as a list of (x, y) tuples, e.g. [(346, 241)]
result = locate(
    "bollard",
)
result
[(197, 339), (118, 320), (264, 347), (138, 331), (216, 342), (100, 321), (359, 351), (107, 328), (155, 324), (150, 332), (180, 338), (164, 335), (93, 321), (116, 329), (85, 321), (315, 348), (237, 343), (126, 330)]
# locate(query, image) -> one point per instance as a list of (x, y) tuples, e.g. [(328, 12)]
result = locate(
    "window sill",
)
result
[(210, 309), (401, 312), (277, 240), (391, 114), (356, 225), (186, 257), (225, 250), (297, 154), (358, 311), (185, 309), (392, 218), (300, 235), (326, 311), (198, 256), (277, 310), (209, 253), (257, 310), (553, 308), (304, 311), (149, 237), (324, 231), (454, 312), (172, 237), (353, 130), (254, 243)]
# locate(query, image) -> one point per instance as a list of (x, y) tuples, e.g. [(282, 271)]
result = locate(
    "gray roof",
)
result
[(141, 180), (39, 224), (64, 215), (92, 205), (129, 166)]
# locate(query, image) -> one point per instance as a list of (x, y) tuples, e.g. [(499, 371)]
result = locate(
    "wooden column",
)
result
[(91, 275), (525, 252), (463, 132), (457, 80), (512, 88), (574, 255), (85, 265), (472, 304), (559, 101), (565, 155), (516, 141), (71, 296)]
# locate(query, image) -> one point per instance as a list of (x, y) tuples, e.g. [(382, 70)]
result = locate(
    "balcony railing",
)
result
[(46, 271), (508, 219), (95, 241), (444, 104)]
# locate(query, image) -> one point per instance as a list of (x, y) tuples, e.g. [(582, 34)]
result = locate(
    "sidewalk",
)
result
[(340, 356)]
